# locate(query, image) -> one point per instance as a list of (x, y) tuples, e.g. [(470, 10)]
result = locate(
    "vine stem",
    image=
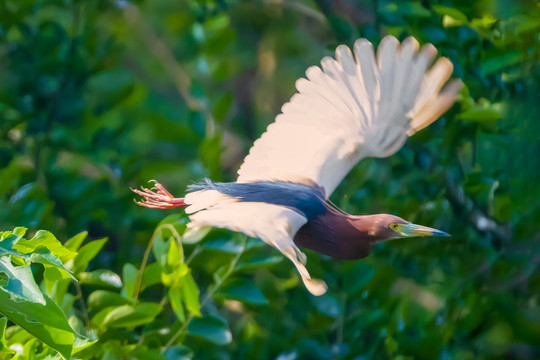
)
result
[(81, 301), (138, 282), (211, 291)]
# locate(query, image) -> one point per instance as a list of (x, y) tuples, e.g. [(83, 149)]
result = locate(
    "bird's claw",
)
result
[(158, 197)]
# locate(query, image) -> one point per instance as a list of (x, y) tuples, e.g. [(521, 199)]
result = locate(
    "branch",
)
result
[(482, 223), (165, 56), (301, 8), (211, 291)]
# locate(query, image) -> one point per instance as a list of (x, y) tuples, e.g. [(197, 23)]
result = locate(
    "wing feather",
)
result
[(356, 105), (275, 225)]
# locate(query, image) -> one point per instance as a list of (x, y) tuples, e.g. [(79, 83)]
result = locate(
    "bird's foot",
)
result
[(158, 197)]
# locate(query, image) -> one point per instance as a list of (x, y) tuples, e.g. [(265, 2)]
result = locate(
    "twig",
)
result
[(81, 300), (502, 234), (194, 253), (138, 282), (340, 325), (302, 8), (212, 290)]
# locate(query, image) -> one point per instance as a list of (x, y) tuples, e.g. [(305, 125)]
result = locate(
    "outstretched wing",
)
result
[(275, 225), (356, 106)]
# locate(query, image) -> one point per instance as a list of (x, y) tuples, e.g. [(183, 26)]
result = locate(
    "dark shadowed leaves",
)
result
[(211, 328)]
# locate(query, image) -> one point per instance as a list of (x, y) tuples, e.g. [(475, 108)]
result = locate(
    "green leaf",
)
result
[(76, 241), (211, 328), (175, 254), (357, 277), (326, 304), (484, 22), (20, 284), (9, 239), (144, 353), (131, 316), (175, 296), (170, 256), (177, 220), (151, 275), (3, 346), (451, 16), (413, 9), (481, 115), (174, 277), (86, 254), (223, 245), (45, 257), (255, 263), (179, 352), (222, 106), (45, 321), (101, 278), (210, 151), (100, 299), (130, 273), (196, 235), (243, 290), (81, 344), (406, 8), (498, 63), (161, 250), (46, 240), (190, 294)]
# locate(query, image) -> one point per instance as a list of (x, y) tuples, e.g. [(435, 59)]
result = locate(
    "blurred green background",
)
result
[(98, 96)]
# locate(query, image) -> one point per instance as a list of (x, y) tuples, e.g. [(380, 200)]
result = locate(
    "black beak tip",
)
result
[(441, 233)]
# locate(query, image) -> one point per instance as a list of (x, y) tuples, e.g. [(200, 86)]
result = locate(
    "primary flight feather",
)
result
[(359, 105)]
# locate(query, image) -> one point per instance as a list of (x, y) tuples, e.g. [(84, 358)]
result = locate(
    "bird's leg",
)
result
[(158, 197)]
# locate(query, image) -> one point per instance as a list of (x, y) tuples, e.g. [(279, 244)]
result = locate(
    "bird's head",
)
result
[(386, 227)]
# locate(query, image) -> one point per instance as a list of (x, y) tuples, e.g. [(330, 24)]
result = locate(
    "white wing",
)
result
[(275, 225), (355, 106)]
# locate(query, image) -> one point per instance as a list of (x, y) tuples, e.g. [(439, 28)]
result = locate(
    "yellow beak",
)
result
[(410, 230)]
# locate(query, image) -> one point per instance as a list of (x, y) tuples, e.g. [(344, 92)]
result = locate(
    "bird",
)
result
[(362, 103)]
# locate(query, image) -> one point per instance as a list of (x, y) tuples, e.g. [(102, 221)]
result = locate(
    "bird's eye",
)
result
[(394, 226)]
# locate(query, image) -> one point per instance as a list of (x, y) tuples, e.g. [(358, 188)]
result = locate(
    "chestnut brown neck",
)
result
[(341, 236)]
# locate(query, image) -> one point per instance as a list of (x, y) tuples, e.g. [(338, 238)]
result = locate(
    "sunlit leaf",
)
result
[(20, 284), (190, 295), (101, 277), (129, 315), (151, 275), (130, 274), (175, 296), (75, 242), (86, 253), (43, 320), (46, 240), (451, 16), (103, 298)]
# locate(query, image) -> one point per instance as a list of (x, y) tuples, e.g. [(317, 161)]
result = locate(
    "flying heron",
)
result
[(359, 105)]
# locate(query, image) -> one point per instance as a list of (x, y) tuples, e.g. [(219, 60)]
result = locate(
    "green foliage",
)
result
[(21, 300), (99, 96)]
